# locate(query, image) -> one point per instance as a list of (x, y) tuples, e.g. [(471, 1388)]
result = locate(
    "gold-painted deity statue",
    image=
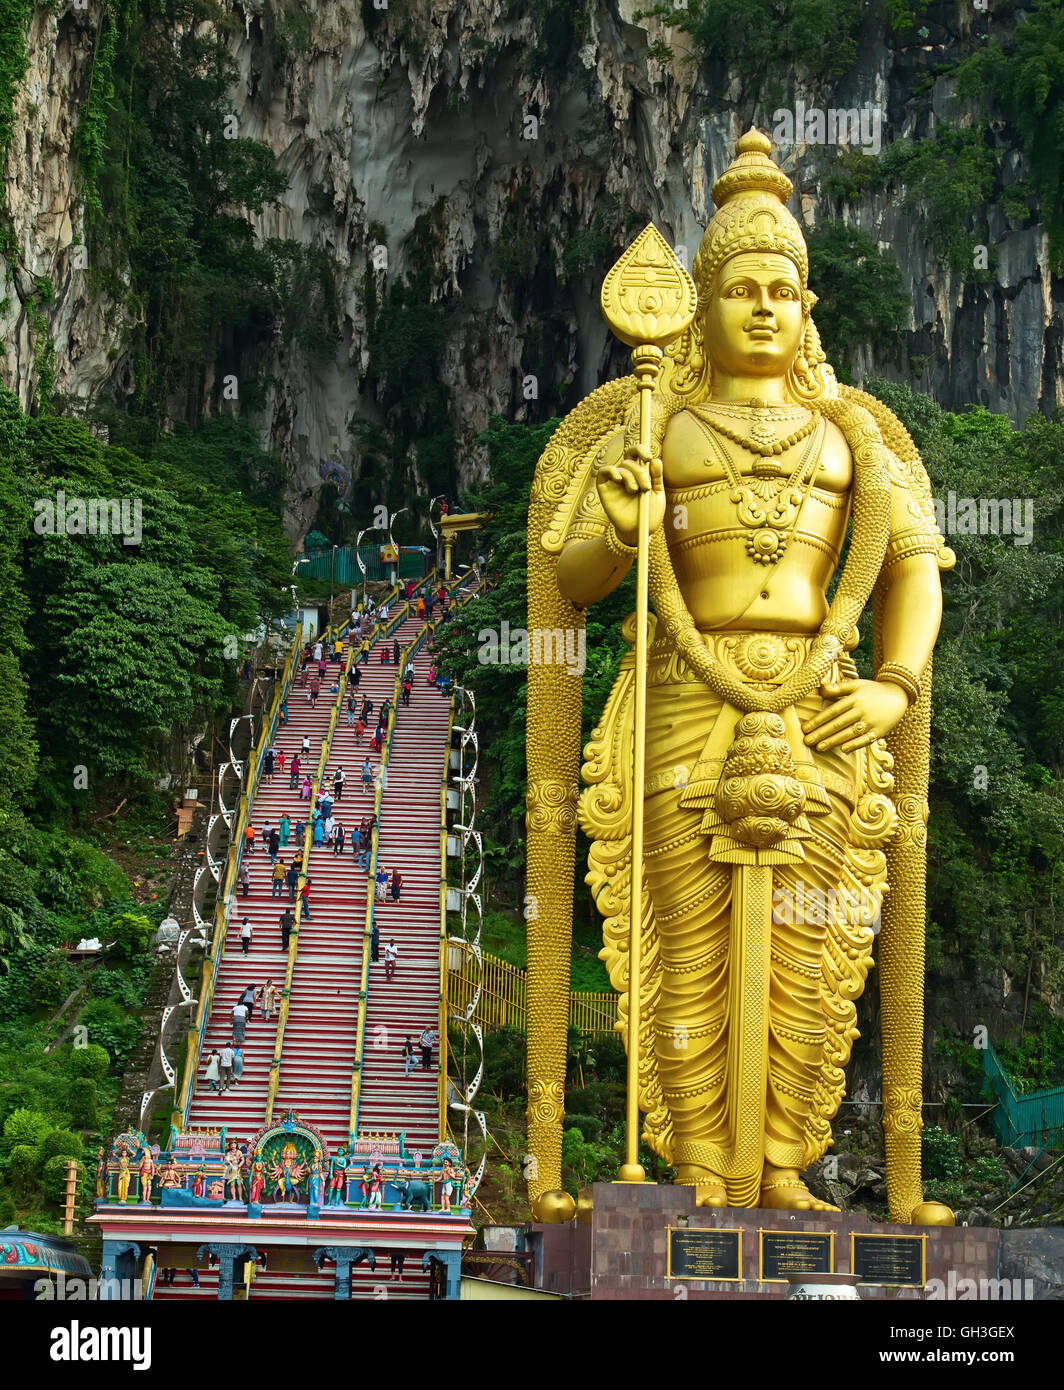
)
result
[(783, 803)]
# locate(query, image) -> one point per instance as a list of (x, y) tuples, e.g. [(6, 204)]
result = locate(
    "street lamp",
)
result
[(361, 563), (391, 542), (440, 497)]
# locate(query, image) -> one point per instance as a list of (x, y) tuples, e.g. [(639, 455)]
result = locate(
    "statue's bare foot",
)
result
[(709, 1187), (783, 1190)]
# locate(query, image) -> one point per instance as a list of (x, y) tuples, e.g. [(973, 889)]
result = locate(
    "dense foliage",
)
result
[(761, 42), (171, 185), (130, 641), (862, 299), (14, 22), (1024, 73), (108, 654)]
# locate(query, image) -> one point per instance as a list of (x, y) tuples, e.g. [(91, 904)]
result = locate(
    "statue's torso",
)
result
[(723, 584)]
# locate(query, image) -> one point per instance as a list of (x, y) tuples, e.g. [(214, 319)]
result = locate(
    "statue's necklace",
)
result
[(768, 503), (761, 438)]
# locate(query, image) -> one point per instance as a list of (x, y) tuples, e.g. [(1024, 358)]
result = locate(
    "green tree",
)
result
[(24, 1126), (54, 1177), (1025, 73), (61, 1141), (862, 298), (755, 41)]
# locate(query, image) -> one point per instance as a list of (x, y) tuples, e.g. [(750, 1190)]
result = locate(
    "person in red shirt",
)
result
[(304, 894)]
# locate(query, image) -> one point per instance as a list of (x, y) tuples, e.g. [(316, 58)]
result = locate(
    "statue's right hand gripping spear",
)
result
[(648, 299)]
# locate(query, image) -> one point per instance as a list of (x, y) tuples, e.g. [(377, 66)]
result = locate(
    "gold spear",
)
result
[(648, 299)]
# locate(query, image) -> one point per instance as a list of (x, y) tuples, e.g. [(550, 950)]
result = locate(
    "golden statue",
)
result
[(123, 1175), (781, 795)]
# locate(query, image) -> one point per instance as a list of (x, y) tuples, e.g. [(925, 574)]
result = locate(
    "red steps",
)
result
[(312, 1284), (319, 1045), (410, 840)]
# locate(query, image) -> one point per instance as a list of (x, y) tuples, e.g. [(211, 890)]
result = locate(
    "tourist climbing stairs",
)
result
[(338, 1066)]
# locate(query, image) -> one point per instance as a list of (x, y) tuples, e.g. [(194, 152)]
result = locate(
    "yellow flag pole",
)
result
[(648, 299)]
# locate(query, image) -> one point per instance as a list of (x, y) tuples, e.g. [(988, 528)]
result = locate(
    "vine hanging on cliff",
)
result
[(14, 59)]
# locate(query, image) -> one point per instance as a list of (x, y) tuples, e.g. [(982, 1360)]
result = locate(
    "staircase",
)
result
[(319, 1047), (319, 1043), (310, 1284), (409, 841)]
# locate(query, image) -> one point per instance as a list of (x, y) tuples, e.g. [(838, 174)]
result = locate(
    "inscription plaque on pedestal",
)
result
[(782, 1253), (897, 1260), (704, 1254)]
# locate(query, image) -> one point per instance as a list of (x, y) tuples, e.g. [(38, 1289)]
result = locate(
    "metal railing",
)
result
[(503, 999), (441, 1027), (1021, 1121)]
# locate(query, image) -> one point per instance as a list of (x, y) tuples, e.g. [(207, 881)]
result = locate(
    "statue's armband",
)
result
[(913, 528)]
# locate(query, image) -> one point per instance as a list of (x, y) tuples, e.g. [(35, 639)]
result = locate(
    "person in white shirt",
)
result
[(240, 1018), (317, 651), (245, 936), (226, 1066), (391, 955), (425, 1042)]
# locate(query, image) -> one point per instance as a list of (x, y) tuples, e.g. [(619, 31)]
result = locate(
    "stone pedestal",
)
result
[(623, 1253)]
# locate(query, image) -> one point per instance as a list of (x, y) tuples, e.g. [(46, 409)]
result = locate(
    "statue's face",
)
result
[(754, 319)]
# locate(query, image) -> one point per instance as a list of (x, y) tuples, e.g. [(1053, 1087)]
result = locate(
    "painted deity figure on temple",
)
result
[(146, 1173), (316, 1182), (101, 1173), (337, 1177), (169, 1176), (258, 1180), (123, 1175), (199, 1180), (287, 1174), (783, 789), (372, 1186), (234, 1173)]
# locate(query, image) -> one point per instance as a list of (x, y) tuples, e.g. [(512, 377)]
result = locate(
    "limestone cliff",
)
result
[(530, 167)]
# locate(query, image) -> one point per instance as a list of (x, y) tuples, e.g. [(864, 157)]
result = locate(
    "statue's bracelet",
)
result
[(617, 547), (897, 674)]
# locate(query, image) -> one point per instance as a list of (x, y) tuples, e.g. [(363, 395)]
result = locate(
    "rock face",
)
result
[(42, 205), (522, 155)]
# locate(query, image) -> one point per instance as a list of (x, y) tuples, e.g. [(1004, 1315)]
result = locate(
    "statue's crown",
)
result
[(751, 197), (752, 171)]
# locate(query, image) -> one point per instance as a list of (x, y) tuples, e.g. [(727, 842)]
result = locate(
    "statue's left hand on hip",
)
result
[(857, 712)]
